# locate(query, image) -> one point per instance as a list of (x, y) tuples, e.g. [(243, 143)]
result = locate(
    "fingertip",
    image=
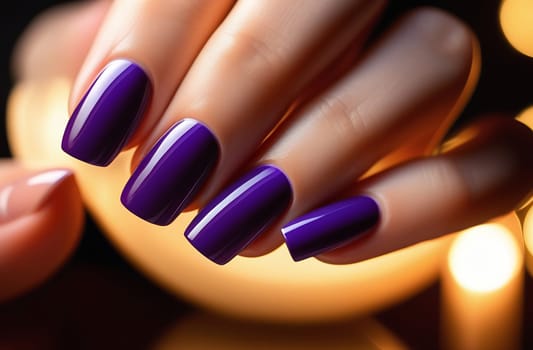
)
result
[(501, 146)]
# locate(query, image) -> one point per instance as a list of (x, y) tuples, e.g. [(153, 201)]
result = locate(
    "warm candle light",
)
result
[(482, 287), (516, 18), (484, 258), (526, 116)]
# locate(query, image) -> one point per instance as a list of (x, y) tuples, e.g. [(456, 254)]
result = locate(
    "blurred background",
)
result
[(98, 301)]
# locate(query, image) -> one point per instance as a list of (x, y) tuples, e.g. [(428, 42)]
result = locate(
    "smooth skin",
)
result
[(41, 218), (361, 121)]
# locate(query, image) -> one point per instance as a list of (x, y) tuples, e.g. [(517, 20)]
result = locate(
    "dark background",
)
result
[(99, 299)]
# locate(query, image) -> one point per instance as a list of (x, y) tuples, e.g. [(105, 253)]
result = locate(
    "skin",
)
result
[(39, 229), (362, 121)]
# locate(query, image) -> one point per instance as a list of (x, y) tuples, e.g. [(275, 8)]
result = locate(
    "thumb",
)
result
[(41, 217)]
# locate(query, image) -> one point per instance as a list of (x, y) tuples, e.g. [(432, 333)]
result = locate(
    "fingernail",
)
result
[(172, 172), (330, 227), (108, 114), (28, 194), (240, 213)]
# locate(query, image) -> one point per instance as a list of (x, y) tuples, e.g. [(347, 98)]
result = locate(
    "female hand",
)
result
[(284, 102)]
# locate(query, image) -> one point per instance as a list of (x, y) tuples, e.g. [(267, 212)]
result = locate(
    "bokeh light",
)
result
[(526, 116), (516, 19), (484, 258), (528, 238)]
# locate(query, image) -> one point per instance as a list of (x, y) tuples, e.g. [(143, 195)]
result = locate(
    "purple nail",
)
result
[(108, 114), (169, 176), (330, 227), (240, 213)]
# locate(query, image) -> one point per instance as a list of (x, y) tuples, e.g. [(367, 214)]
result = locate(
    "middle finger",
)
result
[(250, 71)]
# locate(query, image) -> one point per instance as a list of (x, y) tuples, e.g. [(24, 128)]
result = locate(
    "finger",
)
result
[(486, 171), (56, 43), (41, 217), (425, 143), (253, 67), (407, 84), (409, 87), (135, 64)]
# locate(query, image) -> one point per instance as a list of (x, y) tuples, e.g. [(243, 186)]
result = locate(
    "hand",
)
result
[(200, 89)]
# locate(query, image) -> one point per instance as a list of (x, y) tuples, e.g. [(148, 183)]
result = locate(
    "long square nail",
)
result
[(330, 227), (172, 172), (240, 214), (108, 114)]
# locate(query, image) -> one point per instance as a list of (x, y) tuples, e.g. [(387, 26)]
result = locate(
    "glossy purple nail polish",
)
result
[(330, 227), (169, 176), (240, 213), (108, 114)]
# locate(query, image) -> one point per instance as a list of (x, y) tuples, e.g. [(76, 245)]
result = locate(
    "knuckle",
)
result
[(345, 120), (254, 51), (442, 176)]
